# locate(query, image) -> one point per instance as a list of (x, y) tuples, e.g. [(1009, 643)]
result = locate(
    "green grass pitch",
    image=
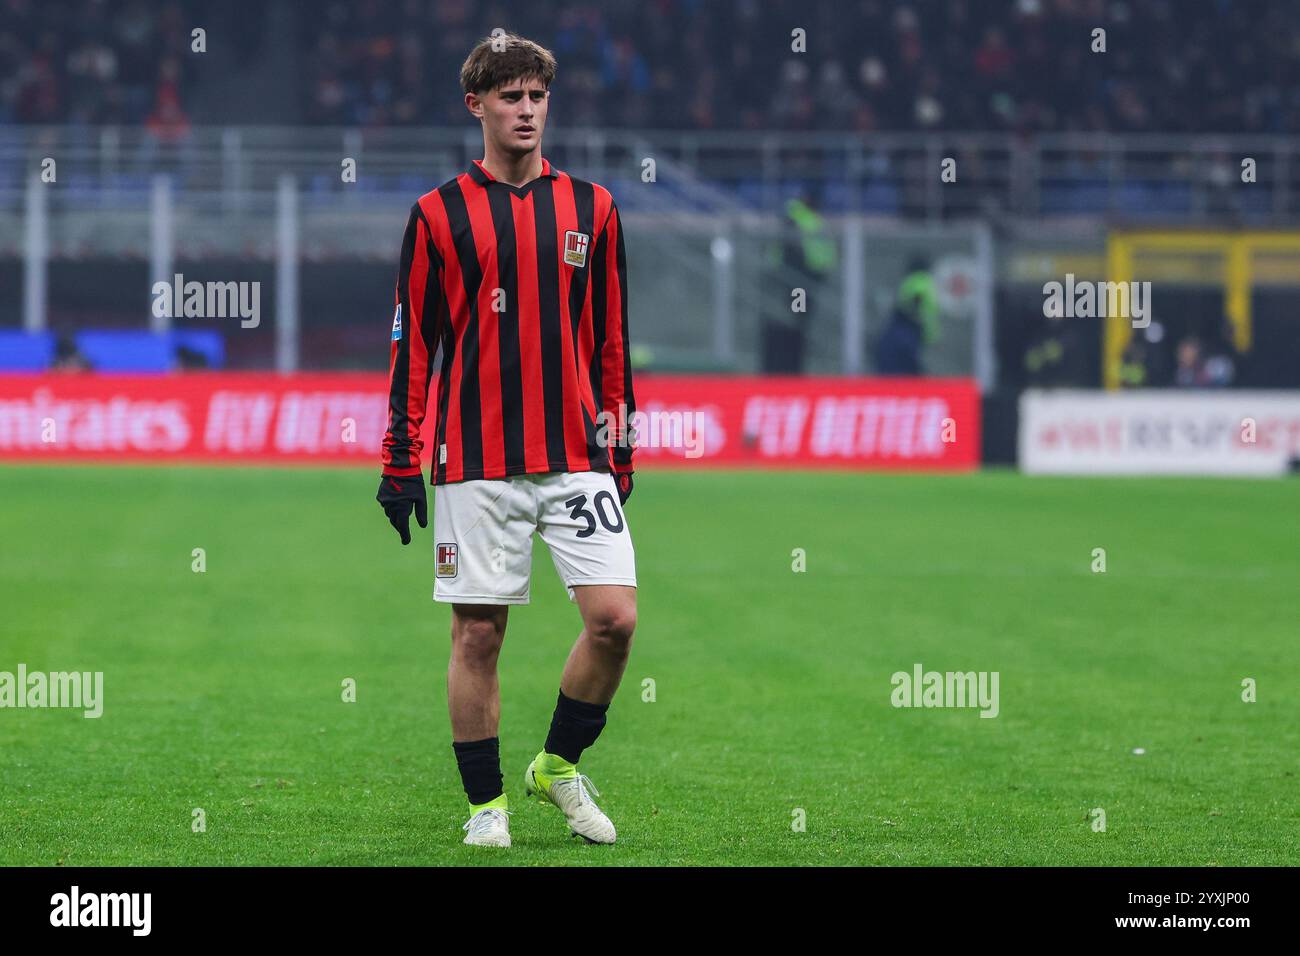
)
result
[(772, 688)]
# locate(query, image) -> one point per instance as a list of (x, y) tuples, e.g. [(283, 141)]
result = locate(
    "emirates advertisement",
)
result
[(339, 418)]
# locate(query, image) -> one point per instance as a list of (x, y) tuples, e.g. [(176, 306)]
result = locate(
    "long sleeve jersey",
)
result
[(522, 292)]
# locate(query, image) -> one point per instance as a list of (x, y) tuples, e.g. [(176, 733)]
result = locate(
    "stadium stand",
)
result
[(669, 64)]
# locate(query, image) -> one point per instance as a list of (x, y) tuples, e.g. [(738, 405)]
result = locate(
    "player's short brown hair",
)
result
[(501, 59)]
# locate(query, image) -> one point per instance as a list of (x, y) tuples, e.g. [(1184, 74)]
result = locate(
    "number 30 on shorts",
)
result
[(603, 500)]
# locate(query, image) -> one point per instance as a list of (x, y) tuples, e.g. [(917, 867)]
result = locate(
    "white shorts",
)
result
[(483, 535)]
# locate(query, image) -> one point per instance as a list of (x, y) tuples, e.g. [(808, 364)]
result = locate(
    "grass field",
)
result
[(223, 689)]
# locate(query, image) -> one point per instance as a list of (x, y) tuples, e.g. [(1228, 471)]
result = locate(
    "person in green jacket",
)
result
[(917, 296), (810, 255)]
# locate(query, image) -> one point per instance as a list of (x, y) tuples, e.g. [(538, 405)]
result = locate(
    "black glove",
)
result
[(397, 495), (624, 484)]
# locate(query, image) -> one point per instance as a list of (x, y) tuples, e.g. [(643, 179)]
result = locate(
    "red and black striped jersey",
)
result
[(522, 292)]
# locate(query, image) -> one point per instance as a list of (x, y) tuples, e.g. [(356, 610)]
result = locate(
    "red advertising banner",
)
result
[(802, 422), (339, 418)]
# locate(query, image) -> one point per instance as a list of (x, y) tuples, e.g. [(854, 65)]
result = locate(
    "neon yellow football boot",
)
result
[(554, 780)]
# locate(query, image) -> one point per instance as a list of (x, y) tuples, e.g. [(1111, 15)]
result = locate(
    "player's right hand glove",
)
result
[(398, 495)]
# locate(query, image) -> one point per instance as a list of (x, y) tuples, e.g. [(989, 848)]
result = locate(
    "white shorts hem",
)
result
[(478, 599), (581, 582)]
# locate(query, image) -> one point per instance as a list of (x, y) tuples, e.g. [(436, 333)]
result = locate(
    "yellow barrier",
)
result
[(1235, 250)]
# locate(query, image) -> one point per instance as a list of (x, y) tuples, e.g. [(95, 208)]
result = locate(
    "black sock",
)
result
[(480, 768), (575, 727)]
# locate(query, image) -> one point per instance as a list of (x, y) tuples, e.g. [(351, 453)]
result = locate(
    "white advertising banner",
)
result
[(1158, 432)]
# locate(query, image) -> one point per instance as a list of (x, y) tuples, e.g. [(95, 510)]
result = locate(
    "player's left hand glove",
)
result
[(624, 484), (398, 495)]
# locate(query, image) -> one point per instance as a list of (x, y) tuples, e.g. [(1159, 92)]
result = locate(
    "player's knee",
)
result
[(613, 627), (477, 639)]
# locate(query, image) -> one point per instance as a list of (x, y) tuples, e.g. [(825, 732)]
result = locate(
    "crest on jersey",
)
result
[(397, 323), (575, 248), (446, 560)]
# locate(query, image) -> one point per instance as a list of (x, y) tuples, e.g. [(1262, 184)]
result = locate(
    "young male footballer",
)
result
[(515, 273)]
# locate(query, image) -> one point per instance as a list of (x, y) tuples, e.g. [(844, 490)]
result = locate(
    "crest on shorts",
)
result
[(446, 560), (397, 323), (575, 248)]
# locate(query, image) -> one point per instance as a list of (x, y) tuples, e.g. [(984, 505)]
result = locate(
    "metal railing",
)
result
[(707, 290), (1144, 177)]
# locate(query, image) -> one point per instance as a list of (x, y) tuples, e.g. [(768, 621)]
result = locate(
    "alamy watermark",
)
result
[(208, 300), (654, 429), (922, 688), (75, 908), (1098, 300), (79, 690)]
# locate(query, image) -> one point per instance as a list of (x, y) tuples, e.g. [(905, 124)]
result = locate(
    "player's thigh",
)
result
[(483, 541), (586, 530)]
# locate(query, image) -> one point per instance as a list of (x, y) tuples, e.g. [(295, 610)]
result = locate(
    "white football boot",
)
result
[(573, 796), (488, 827)]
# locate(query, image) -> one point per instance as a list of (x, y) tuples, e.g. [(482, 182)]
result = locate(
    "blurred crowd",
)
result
[(1020, 65), (92, 62)]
